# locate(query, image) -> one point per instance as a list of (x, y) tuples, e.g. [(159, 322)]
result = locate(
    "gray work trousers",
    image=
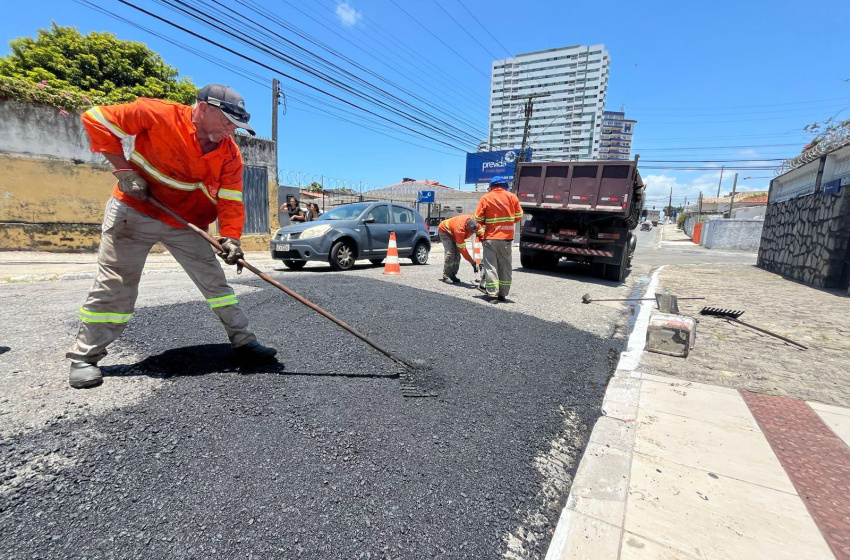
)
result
[(127, 238), (498, 269), (451, 262)]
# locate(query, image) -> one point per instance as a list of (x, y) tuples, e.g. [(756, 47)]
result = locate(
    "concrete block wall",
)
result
[(734, 235)]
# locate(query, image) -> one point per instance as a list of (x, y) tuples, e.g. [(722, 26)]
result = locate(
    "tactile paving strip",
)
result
[(816, 460)]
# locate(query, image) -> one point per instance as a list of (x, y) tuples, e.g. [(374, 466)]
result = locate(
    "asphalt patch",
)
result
[(325, 459)]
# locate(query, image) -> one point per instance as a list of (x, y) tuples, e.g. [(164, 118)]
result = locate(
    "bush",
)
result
[(680, 221)]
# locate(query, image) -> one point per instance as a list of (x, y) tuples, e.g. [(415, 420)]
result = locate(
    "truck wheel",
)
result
[(528, 261), (617, 272)]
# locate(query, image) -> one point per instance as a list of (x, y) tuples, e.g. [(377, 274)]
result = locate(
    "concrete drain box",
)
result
[(673, 335)]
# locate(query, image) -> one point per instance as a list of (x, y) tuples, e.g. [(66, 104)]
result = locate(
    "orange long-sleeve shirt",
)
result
[(455, 228), (498, 210), (198, 187)]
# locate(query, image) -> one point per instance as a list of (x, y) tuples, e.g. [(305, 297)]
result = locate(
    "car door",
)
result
[(377, 225), (405, 229)]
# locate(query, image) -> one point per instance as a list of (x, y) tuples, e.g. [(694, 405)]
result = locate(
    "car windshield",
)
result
[(345, 212)]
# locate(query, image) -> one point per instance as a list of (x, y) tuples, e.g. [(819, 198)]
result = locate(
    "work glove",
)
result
[(232, 250), (130, 182)]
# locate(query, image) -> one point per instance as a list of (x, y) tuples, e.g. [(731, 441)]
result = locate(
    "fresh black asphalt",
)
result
[(323, 459)]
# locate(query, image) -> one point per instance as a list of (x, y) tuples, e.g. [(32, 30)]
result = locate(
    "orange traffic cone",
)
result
[(391, 265), (477, 250)]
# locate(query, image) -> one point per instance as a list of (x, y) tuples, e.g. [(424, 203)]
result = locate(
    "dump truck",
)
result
[(580, 211)]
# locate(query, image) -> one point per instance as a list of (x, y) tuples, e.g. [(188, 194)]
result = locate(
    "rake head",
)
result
[(717, 312)]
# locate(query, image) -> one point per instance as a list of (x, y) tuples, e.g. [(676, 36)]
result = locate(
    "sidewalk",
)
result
[(676, 239), (738, 451)]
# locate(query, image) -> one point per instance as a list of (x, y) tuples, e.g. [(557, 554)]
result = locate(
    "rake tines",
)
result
[(718, 312)]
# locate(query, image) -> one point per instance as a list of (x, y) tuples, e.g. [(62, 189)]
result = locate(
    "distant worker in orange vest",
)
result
[(453, 233), (186, 159), (498, 211)]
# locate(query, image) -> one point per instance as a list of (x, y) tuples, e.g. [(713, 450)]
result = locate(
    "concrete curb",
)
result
[(591, 523)]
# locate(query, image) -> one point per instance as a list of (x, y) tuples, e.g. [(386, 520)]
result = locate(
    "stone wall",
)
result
[(734, 235), (53, 188), (806, 238)]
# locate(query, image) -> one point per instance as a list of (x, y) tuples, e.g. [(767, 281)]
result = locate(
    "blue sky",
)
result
[(706, 81)]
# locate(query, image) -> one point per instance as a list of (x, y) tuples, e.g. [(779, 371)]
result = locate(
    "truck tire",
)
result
[(528, 261), (617, 272)]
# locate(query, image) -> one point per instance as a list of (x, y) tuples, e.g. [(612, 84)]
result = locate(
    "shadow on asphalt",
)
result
[(205, 359), (4, 349), (573, 271)]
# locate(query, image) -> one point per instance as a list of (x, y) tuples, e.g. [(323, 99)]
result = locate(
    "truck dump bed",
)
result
[(595, 186)]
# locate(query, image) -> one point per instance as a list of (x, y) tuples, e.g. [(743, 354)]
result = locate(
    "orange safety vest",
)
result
[(498, 210), (196, 186), (456, 229)]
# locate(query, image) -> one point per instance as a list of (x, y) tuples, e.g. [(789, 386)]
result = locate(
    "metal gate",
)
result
[(255, 198)]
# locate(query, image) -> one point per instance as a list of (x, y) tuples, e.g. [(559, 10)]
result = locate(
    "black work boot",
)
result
[(84, 375), (254, 352)]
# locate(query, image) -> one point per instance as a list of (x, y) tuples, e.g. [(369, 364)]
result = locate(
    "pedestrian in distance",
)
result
[(312, 212), (498, 211), (186, 159), (453, 234), (296, 214)]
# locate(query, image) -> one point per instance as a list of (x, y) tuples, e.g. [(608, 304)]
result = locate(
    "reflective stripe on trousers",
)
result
[(127, 238), (498, 268)]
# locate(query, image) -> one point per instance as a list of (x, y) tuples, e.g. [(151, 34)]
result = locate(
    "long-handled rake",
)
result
[(243, 263), (733, 314)]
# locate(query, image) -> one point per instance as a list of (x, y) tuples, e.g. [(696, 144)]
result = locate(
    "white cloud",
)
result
[(347, 14), (689, 187)]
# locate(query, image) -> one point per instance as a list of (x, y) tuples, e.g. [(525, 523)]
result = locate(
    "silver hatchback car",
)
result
[(360, 230)]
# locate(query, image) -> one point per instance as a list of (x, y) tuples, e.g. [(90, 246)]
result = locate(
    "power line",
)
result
[(440, 40), (487, 30), (742, 106), (464, 29)]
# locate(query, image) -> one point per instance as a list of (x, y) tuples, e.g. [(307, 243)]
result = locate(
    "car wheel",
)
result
[(342, 255), (376, 262), (295, 265), (420, 253)]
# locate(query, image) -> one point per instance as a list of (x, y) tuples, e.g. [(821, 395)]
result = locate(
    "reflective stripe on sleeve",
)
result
[(92, 317), (96, 113), (222, 301), (499, 220), (229, 194), (140, 160)]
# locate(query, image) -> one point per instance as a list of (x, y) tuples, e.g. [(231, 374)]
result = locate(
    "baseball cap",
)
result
[(231, 104), (497, 180)]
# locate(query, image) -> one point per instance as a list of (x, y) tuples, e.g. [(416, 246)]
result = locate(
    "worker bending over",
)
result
[(185, 158), (453, 233)]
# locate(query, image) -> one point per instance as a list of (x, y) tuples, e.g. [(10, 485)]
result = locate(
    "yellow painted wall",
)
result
[(48, 205), (45, 191)]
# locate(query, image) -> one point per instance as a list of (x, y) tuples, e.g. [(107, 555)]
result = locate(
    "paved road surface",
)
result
[(179, 455)]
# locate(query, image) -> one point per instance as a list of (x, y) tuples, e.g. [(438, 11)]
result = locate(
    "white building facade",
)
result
[(617, 135), (566, 123)]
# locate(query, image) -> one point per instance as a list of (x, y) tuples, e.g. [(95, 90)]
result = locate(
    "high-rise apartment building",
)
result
[(569, 85), (617, 134)]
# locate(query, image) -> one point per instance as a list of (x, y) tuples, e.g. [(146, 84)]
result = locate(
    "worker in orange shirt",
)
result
[(453, 233), (186, 159), (497, 211)]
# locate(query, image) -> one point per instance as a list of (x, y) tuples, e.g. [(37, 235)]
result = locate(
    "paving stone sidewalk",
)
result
[(738, 451)]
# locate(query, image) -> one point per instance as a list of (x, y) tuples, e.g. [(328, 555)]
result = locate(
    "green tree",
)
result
[(70, 70), (315, 187)]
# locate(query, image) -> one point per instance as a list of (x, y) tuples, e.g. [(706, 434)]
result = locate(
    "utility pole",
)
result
[(699, 209), (732, 200), (275, 104), (721, 181), (670, 204), (529, 110)]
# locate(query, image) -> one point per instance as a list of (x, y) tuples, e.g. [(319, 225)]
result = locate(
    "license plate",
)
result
[(282, 247)]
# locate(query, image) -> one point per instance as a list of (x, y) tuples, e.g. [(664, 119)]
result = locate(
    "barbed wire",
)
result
[(830, 141), (303, 179)]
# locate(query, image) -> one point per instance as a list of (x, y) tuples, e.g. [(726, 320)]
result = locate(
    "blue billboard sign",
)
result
[(483, 166), (425, 196)]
